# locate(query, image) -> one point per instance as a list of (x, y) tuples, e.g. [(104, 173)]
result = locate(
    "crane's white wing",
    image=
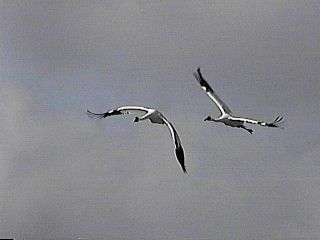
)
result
[(276, 123), (177, 143), (224, 109), (120, 111)]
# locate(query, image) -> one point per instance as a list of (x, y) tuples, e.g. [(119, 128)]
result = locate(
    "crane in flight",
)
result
[(226, 116), (155, 117)]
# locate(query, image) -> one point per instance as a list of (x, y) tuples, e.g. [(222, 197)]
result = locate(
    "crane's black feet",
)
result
[(247, 129)]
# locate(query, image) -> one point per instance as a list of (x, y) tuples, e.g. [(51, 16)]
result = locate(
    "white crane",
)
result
[(226, 116), (154, 116)]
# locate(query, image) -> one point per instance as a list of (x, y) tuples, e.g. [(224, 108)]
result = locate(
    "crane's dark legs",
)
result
[(247, 129)]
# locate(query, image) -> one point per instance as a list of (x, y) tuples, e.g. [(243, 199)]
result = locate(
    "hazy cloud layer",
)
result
[(65, 176)]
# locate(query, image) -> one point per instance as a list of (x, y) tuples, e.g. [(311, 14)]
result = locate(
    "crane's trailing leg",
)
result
[(247, 129)]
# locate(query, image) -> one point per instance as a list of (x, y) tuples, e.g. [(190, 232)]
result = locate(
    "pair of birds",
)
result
[(155, 116)]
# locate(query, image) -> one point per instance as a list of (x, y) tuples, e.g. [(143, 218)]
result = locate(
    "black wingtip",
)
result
[(180, 157), (89, 113), (94, 115), (199, 72)]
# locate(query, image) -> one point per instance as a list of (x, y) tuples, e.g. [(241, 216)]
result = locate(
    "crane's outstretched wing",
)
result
[(177, 143), (119, 111), (276, 123), (224, 109)]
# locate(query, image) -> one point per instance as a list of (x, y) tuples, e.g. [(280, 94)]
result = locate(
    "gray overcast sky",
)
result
[(65, 176)]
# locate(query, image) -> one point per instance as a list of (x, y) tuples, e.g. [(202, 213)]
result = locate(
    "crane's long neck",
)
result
[(210, 119)]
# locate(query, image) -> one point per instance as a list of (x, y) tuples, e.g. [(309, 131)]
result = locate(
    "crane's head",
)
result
[(209, 119)]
